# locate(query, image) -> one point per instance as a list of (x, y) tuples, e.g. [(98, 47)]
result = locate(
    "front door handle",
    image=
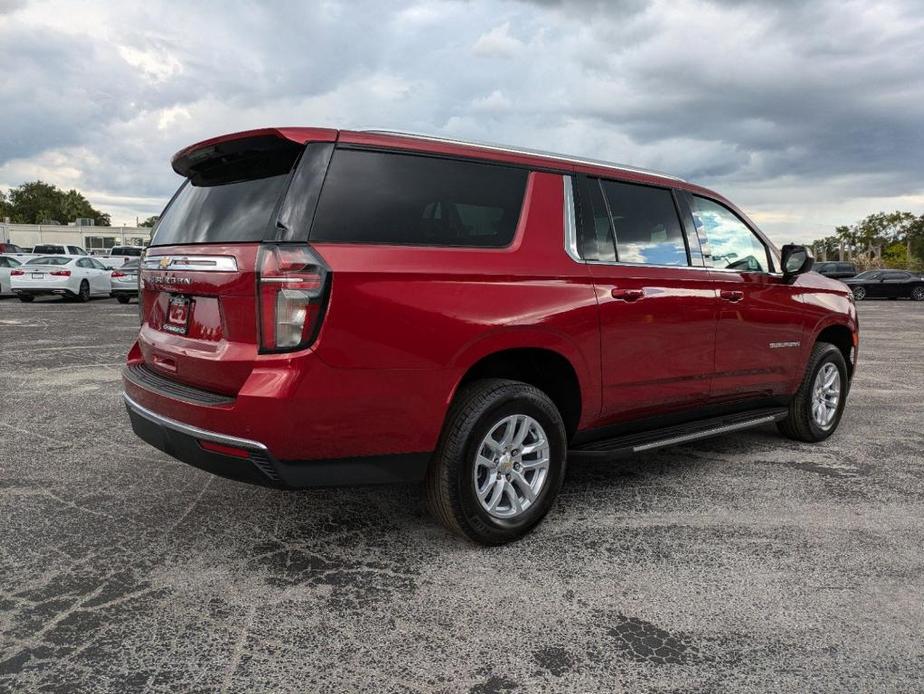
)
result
[(731, 295), (627, 294)]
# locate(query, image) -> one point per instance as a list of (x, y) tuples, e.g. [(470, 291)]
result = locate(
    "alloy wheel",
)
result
[(511, 466), (859, 293), (826, 395)]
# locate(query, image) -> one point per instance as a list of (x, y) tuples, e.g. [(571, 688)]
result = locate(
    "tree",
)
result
[(5, 209), (894, 238), (37, 202), (150, 221)]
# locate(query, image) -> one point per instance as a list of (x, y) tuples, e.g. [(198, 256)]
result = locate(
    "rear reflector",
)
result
[(221, 448), (291, 289)]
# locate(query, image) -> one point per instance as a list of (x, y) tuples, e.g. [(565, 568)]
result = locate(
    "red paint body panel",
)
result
[(404, 324)]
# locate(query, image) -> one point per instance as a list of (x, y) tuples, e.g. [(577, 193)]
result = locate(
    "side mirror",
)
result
[(796, 260)]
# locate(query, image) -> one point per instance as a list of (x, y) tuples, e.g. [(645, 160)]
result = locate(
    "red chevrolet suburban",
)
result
[(323, 307)]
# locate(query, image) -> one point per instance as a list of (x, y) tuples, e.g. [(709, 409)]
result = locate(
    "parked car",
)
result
[(332, 307), (12, 249), (7, 264), (125, 281), (837, 270), (118, 255), (72, 276), (57, 249), (891, 284)]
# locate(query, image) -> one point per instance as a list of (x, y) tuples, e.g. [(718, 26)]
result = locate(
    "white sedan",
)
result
[(7, 264), (72, 276)]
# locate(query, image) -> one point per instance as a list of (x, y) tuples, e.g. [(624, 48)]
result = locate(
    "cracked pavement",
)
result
[(743, 563)]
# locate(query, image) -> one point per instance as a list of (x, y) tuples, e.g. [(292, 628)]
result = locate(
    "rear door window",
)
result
[(645, 224), (729, 244), (407, 199)]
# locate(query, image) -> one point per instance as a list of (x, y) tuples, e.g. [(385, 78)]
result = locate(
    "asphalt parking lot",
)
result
[(743, 563)]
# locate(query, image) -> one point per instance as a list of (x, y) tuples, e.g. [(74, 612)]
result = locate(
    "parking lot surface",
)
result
[(743, 563)]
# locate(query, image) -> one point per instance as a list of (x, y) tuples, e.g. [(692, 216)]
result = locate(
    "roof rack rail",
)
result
[(522, 150)]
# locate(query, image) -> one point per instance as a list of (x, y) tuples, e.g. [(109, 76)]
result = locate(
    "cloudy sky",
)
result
[(807, 114)]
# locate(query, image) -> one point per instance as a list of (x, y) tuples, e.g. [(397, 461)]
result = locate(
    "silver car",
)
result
[(125, 281)]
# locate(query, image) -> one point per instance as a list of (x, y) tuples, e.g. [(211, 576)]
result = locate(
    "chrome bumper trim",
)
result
[(190, 430)]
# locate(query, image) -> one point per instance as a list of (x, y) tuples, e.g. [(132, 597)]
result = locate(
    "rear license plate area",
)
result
[(178, 310), (38, 275)]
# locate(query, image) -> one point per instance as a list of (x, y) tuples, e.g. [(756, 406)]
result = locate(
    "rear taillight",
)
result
[(116, 273), (60, 273), (17, 273), (292, 287)]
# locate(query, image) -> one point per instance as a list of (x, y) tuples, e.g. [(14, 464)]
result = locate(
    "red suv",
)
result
[(327, 307)]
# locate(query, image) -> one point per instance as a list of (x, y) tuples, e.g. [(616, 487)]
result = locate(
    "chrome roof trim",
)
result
[(526, 151)]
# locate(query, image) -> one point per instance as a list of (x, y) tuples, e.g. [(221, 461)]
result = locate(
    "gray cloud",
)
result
[(799, 108)]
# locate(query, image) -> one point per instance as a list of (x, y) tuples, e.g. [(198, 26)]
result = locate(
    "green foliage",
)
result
[(37, 202), (879, 240), (150, 221)]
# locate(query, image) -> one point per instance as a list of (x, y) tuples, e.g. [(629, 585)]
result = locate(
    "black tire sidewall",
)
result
[(81, 295), (475, 516), (831, 356), (859, 293)]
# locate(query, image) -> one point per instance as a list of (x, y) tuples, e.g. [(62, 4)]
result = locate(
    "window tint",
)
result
[(49, 260), (96, 264), (845, 267), (378, 197), (3, 262), (229, 198), (48, 248), (646, 224), (125, 251), (596, 233), (728, 242), (896, 275)]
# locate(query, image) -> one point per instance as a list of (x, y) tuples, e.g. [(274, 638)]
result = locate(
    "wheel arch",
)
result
[(554, 366), (842, 337)]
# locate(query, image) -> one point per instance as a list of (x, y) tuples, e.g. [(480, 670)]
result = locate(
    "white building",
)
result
[(92, 238)]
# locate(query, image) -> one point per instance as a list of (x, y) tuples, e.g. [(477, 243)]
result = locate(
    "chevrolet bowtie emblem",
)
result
[(165, 262)]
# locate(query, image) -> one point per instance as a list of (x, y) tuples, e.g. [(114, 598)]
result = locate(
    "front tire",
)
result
[(816, 408), (500, 461), (917, 293), (859, 293)]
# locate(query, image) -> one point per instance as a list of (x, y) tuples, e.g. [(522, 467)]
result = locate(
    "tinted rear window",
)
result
[(54, 260), (380, 197), (126, 251), (646, 224), (229, 197), (49, 249)]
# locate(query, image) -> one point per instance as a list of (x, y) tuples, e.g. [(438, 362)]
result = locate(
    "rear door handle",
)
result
[(731, 295), (627, 294)]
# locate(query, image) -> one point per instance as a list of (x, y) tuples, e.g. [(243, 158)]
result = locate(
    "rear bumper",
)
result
[(256, 464), (62, 291)]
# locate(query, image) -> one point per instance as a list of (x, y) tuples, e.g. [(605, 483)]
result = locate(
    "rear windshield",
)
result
[(230, 196), (49, 249), (125, 250), (49, 260), (382, 197)]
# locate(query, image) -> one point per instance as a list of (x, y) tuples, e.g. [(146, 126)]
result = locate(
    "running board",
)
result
[(629, 444)]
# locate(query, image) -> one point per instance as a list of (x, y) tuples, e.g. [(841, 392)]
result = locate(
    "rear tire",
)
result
[(83, 294), (122, 299), (917, 293), (474, 454), (26, 298), (802, 423)]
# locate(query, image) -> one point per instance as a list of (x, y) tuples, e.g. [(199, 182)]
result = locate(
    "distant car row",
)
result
[(115, 256), (71, 276)]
